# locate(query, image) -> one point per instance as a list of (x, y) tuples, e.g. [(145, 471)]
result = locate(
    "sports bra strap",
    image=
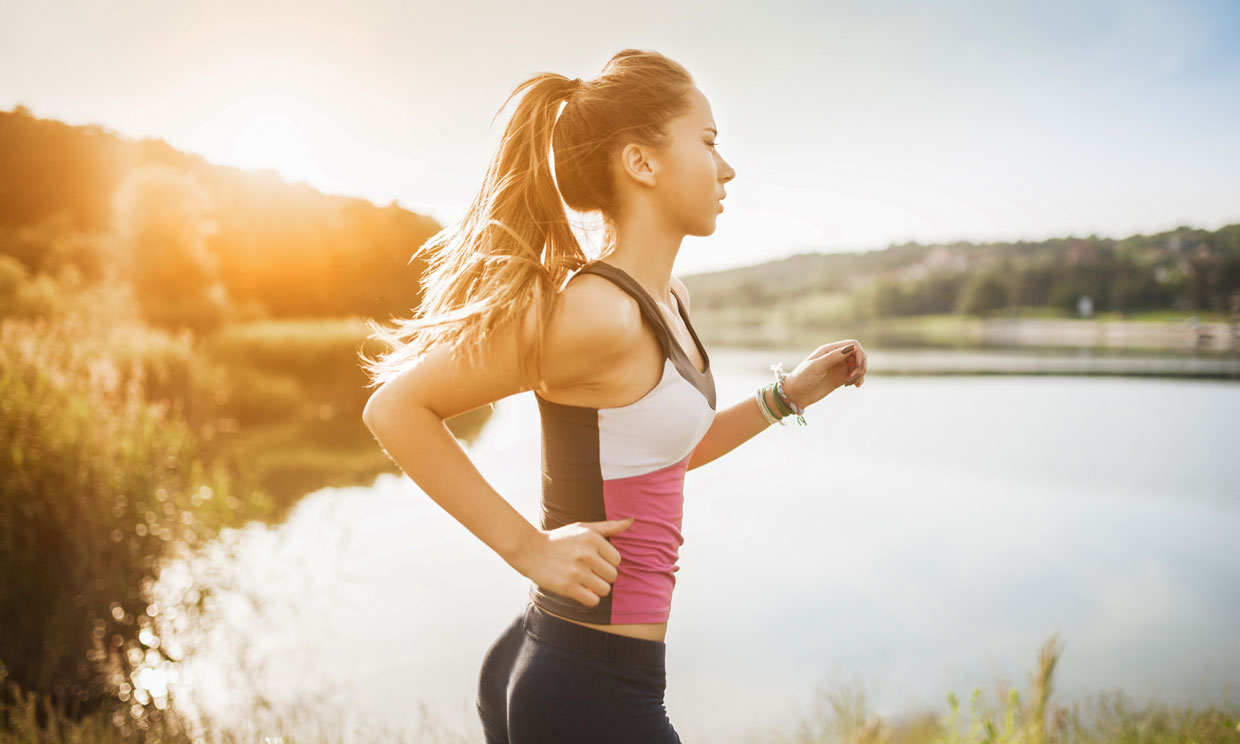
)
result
[(672, 350), (649, 307)]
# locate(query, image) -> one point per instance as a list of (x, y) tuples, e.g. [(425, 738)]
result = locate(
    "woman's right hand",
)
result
[(574, 560)]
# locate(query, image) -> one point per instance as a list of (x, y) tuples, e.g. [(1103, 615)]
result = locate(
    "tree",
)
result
[(982, 293), (162, 218)]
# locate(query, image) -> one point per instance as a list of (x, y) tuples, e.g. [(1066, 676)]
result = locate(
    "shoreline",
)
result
[(895, 361)]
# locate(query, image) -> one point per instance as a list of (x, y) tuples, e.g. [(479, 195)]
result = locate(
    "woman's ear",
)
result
[(636, 162)]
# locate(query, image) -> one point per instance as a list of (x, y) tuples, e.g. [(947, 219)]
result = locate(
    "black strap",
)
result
[(704, 381), (648, 306)]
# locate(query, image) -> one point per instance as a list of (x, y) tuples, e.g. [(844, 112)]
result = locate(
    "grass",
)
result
[(839, 714), (842, 715)]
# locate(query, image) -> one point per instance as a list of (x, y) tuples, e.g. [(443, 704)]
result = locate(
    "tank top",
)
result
[(628, 461)]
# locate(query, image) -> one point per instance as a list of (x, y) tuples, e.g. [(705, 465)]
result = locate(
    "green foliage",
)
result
[(163, 219), (320, 355), (841, 715), (22, 296), (219, 235), (28, 718), (97, 480), (982, 294), (888, 297), (120, 442), (1132, 291), (1184, 269)]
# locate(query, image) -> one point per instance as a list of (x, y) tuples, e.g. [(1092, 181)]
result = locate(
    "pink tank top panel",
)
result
[(629, 461)]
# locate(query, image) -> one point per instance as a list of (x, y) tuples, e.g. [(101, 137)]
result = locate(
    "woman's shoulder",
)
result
[(593, 324), (592, 313)]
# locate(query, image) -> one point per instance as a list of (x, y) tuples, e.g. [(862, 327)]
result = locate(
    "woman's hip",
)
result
[(547, 680)]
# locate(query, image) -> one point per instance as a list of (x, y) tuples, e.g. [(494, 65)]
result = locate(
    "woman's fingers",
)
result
[(605, 570), (857, 376), (599, 578), (826, 349), (596, 584), (857, 369), (854, 372), (842, 354), (861, 373)]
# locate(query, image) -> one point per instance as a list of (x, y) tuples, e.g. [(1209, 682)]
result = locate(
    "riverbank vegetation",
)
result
[(838, 714), (123, 441)]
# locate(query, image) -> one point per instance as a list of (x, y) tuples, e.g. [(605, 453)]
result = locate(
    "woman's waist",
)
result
[(643, 631)]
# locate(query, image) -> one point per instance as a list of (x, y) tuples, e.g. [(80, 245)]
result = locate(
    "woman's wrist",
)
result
[(762, 398), (790, 390), (772, 402)]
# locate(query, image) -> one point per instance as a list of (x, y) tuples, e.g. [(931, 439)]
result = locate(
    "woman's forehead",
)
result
[(699, 115)]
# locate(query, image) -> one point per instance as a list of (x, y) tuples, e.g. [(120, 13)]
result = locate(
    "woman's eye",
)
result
[(712, 144)]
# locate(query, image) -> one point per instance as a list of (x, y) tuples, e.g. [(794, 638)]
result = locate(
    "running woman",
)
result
[(624, 388)]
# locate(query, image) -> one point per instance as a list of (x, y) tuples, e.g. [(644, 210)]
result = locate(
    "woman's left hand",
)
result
[(825, 370)]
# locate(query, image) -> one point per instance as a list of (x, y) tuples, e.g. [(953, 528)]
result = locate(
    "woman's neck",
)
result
[(649, 262)]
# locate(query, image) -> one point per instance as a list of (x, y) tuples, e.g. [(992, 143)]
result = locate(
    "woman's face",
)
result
[(691, 173)]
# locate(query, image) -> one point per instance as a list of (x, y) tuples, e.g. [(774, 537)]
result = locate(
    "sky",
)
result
[(851, 125)]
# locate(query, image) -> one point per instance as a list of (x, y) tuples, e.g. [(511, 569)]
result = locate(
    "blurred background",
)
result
[(1022, 528)]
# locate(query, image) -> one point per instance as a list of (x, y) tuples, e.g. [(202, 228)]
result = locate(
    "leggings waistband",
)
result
[(641, 652)]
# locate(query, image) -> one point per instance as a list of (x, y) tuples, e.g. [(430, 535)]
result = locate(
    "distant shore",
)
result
[(952, 345)]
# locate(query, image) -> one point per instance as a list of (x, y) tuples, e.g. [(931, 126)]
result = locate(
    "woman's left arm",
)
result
[(810, 382), (830, 366), (731, 428)]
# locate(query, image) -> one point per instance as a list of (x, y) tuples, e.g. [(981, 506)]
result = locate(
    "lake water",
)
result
[(922, 535)]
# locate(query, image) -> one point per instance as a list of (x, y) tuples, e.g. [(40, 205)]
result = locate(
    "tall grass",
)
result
[(120, 442), (841, 715), (101, 471)]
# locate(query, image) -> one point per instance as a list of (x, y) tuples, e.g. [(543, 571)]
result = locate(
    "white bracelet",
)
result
[(766, 412)]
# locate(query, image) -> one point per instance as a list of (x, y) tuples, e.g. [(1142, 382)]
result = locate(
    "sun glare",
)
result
[(274, 141)]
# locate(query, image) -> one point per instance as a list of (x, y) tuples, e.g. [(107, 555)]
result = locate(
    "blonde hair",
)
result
[(514, 247)]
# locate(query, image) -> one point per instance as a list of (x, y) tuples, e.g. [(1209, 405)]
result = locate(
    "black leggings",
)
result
[(546, 681)]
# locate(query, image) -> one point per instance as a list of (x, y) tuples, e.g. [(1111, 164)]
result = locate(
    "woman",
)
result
[(623, 384)]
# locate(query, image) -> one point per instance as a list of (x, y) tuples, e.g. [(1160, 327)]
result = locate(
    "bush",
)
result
[(96, 481), (982, 294)]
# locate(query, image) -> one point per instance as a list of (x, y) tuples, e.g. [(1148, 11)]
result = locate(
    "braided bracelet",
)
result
[(778, 369)]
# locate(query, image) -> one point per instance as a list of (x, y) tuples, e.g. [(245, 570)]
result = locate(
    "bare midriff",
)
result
[(647, 631)]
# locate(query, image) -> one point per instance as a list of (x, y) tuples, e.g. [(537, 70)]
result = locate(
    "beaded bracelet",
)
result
[(778, 369)]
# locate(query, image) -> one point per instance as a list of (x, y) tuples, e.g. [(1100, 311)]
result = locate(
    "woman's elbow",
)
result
[(372, 412), (383, 410)]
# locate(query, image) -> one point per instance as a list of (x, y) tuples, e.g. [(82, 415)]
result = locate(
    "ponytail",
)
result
[(514, 248)]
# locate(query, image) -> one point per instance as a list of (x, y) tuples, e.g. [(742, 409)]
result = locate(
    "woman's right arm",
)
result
[(407, 414)]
